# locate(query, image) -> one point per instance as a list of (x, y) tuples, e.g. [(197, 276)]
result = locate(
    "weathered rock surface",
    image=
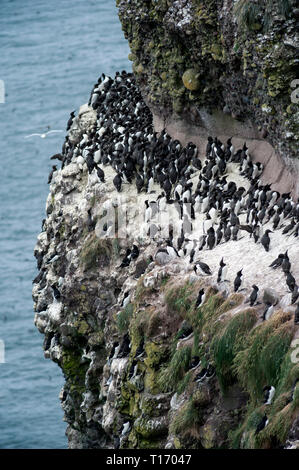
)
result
[(241, 69), (118, 333), (127, 373)]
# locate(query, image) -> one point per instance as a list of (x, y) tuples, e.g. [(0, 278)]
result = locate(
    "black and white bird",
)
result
[(70, 121), (277, 262), (268, 311), (269, 392), (185, 332), (101, 174), (117, 181), (194, 363), (126, 299), (54, 168), (222, 272), (211, 238), (238, 280), (127, 259), (56, 292), (265, 240), (254, 295), (200, 298), (262, 424), (134, 252), (202, 268), (201, 375), (125, 347), (286, 264), (291, 281), (140, 350)]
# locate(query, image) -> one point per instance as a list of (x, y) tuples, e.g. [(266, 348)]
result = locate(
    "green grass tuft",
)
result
[(188, 417), (124, 317), (255, 15), (228, 343), (96, 252), (179, 299), (259, 363), (174, 372)]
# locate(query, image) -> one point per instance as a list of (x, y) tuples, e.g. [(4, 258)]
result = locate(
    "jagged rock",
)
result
[(114, 331)]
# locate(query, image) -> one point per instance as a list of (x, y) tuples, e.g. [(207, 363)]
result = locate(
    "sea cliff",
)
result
[(145, 364)]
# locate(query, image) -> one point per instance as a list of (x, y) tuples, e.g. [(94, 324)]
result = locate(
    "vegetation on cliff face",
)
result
[(243, 351), (239, 58), (129, 379)]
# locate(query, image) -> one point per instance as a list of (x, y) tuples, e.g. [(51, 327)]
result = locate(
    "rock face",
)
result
[(224, 68), (143, 366)]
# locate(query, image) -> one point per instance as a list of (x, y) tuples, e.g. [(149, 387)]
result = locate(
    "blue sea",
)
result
[(51, 54)]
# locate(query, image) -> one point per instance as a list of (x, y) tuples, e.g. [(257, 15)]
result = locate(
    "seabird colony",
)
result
[(124, 138)]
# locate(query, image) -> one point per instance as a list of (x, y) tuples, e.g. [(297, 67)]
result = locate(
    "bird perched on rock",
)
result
[(140, 350), (186, 331), (101, 174), (117, 180), (211, 238), (70, 121), (254, 295), (124, 347), (222, 272), (290, 280), (265, 240), (90, 222), (286, 265), (277, 262), (54, 168), (126, 300), (238, 281), (268, 311), (195, 362), (201, 375), (134, 252), (269, 392), (200, 298), (127, 259), (262, 424), (56, 292), (202, 268)]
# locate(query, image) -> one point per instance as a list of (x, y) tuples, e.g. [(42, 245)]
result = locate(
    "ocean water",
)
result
[(51, 54)]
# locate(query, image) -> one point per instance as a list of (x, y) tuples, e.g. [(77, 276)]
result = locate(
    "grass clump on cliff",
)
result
[(205, 318), (228, 343), (179, 299), (189, 417), (95, 252), (254, 14), (74, 370), (281, 413), (175, 371), (124, 317), (259, 363)]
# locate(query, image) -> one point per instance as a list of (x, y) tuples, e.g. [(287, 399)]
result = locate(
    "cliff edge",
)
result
[(148, 227), (225, 68)]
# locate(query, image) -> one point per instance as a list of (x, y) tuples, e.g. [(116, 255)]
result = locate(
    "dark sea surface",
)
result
[(51, 54)]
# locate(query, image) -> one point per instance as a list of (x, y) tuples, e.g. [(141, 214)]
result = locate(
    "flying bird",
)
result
[(44, 135)]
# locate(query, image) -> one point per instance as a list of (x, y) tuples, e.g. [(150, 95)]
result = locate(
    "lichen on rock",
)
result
[(126, 331)]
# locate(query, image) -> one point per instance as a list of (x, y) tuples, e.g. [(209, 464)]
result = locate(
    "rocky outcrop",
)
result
[(225, 68), (143, 366)]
